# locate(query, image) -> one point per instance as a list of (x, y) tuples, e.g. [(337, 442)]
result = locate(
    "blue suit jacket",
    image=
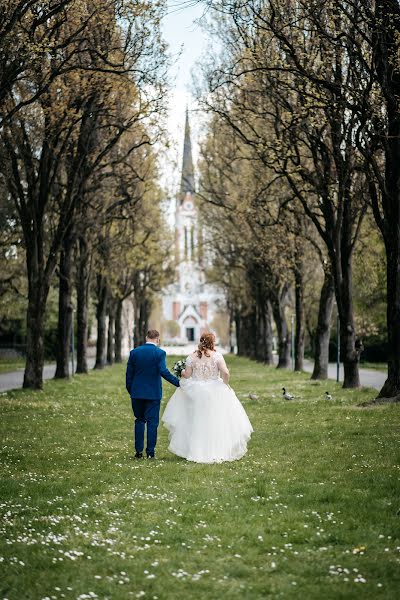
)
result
[(146, 366)]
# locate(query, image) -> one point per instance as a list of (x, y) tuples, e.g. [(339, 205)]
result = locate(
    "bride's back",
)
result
[(208, 366)]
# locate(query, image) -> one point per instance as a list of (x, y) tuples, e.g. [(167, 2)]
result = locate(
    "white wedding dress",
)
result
[(205, 419)]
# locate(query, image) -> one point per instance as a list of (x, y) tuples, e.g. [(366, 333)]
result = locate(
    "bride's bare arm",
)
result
[(188, 369), (223, 369), (187, 372)]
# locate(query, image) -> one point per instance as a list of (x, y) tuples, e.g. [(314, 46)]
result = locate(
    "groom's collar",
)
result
[(151, 343)]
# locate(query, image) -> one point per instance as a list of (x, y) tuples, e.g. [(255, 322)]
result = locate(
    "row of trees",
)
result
[(82, 86), (303, 144)]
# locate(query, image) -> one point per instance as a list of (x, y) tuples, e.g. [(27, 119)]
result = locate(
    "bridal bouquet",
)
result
[(179, 366)]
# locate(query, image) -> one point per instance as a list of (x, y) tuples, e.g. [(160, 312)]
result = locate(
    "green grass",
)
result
[(11, 364), (8, 365), (376, 366), (311, 512)]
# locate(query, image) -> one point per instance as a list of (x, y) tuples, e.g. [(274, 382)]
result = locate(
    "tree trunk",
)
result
[(257, 331), (101, 315), (269, 357), (263, 333), (246, 335), (231, 329), (33, 376), (38, 290), (111, 332), (391, 387), (238, 331), (142, 308), (251, 331), (143, 321), (82, 309), (278, 309), (64, 307), (323, 331), (385, 45), (300, 318), (118, 331), (351, 346), (136, 324)]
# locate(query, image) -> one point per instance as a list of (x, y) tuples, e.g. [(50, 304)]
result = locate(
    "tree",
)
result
[(46, 141), (29, 32), (133, 228), (282, 88), (257, 267), (13, 270), (379, 142)]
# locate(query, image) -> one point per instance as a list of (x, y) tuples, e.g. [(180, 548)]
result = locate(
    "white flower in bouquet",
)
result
[(179, 366)]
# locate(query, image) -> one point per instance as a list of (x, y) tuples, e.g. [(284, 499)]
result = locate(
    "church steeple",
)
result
[(187, 179)]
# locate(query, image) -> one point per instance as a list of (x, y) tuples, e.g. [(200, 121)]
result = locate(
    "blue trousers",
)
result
[(146, 412)]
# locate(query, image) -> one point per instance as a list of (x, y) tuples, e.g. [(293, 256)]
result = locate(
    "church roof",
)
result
[(187, 178)]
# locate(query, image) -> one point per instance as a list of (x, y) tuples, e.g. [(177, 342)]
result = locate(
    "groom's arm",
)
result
[(165, 373), (130, 370)]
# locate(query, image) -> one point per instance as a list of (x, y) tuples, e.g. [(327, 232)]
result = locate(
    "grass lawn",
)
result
[(377, 366), (11, 364), (311, 512)]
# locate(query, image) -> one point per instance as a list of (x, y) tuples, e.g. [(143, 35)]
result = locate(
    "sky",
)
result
[(187, 42)]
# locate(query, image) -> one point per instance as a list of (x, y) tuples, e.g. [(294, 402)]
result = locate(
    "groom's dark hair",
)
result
[(153, 334)]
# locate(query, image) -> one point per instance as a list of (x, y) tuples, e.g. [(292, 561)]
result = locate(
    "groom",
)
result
[(146, 366)]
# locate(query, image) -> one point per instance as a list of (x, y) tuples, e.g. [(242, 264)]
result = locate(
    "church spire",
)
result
[(187, 180)]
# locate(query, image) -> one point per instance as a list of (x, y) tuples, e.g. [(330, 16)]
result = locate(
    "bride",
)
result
[(205, 420)]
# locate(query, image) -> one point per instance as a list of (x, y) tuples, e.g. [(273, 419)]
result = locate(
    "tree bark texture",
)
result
[(266, 334), (386, 38), (118, 331), (391, 387), (247, 341), (351, 346), (322, 335), (33, 376), (262, 327), (300, 316), (255, 330), (65, 324), (278, 308), (142, 315), (82, 301), (238, 330), (38, 290), (111, 332), (101, 316)]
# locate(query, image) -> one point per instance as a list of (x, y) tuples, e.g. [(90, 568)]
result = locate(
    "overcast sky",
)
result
[(186, 42)]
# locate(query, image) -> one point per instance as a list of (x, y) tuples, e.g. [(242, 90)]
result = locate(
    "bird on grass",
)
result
[(328, 396), (286, 395), (253, 396)]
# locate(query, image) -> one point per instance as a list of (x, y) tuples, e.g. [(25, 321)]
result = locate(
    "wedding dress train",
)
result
[(205, 419)]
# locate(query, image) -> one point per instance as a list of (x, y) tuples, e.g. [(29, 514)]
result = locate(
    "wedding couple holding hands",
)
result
[(205, 419)]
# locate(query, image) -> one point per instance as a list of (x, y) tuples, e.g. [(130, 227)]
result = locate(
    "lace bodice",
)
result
[(206, 367)]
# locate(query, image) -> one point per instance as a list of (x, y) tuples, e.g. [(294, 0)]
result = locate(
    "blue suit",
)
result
[(146, 366)]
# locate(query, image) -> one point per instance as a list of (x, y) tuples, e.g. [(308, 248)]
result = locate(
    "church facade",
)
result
[(190, 302)]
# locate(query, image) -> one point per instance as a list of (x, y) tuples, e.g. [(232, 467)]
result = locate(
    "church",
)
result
[(190, 301)]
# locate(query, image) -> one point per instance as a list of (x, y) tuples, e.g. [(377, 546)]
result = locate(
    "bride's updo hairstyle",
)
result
[(207, 342)]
